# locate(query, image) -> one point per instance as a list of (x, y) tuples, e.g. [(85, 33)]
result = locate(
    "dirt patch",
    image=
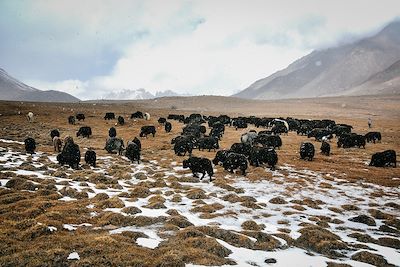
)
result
[(364, 219), (21, 184), (113, 202), (156, 202), (73, 193), (196, 194), (230, 237), (179, 221), (208, 208), (371, 258), (277, 200), (139, 191), (320, 240), (252, 226)]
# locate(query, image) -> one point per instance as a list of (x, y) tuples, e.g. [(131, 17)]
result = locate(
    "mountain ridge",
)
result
[(332, 71), (14, 90)]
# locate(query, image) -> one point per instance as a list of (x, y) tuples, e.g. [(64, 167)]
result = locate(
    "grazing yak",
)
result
[(167, 127), (239, 124), (162, 120), (84, 131), (208, 143), (90, 157), (146, 116), (30, 145), (221, 156), (190, 138), (304, 129), (351, 140), (109, 116), (276, 122), (382, 159), (216, 133), (273, 141), (199, 165), (279, 129), (235, 161), (373, 137), (54, 133), (341, 129), (146, 130), (194, 129), (137, 142), (182, 146), (30, 117), (121, 120), (307, 151), (195, 118), (71, 120), (175, 117), (57, 144), (248, 138), (80, 117), (137, 115), (70, 154), (325, 148), (132, 152), (261, 155), (217, 130), (262, 122), (265, 132), (179, 137), (241, 148), (319, 133), (112, 132), (218, 126), (114, 145)]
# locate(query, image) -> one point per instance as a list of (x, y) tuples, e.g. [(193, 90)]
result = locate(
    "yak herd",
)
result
[(254, 148)]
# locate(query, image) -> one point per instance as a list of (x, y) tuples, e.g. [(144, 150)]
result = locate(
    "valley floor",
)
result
[(333, 211)]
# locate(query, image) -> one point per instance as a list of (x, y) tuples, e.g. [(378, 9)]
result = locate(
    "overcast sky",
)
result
[(88, 48)]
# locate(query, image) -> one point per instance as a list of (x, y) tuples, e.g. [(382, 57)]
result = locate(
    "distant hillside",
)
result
[(13, 89), (384, 82), (48, 96), (337, 71)]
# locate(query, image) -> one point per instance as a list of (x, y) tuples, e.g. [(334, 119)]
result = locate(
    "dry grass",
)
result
[(31, 206)]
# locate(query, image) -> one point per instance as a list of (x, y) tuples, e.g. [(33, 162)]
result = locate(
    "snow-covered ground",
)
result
[(323, 190)]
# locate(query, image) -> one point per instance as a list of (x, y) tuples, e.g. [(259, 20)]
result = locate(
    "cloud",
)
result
[(190, 65), (195, 47)]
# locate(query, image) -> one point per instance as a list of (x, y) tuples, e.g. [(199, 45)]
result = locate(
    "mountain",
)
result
[(13, 89), (355, 68), (48, 96), (129, 94), (383, 82)]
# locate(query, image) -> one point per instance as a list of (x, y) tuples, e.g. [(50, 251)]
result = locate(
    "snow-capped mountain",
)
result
[(130, 94)]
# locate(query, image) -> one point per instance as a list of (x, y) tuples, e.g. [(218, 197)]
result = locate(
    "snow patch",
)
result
[(73, 256), (11, 141)]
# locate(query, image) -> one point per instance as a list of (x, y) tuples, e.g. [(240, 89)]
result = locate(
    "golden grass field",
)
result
[(156, 214)]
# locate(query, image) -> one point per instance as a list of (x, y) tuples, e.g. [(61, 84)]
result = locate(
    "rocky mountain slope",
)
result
[(384, 82), (13, 89), (363, 67)]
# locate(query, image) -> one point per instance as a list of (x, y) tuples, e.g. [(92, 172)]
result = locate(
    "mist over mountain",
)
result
[(131, 94), (15, 90), (367, 66)]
